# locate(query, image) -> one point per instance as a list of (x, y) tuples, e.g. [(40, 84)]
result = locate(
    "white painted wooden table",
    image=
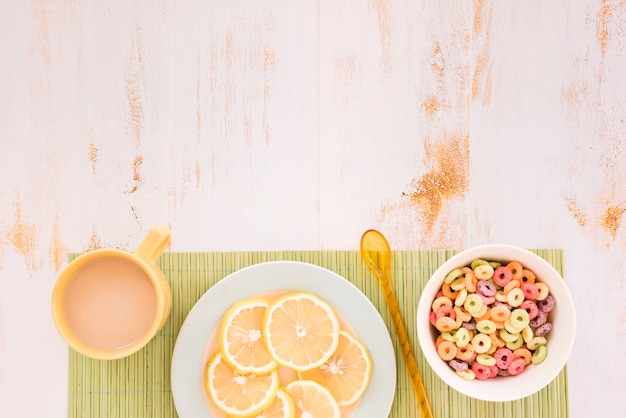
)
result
[(273, 125)]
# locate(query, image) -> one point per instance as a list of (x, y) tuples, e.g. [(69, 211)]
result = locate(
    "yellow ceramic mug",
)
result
[(109, 303)]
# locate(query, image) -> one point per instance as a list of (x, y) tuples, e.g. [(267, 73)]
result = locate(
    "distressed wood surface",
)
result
[(297, 125)]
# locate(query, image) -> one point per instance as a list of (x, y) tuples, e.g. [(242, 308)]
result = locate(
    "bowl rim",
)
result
[(533, 379)]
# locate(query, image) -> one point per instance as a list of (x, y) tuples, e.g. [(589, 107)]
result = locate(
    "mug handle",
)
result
[(154, 243)]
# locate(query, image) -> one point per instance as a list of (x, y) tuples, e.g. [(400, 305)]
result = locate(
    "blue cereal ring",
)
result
[(486, 288), (547, 304), (543, 330)]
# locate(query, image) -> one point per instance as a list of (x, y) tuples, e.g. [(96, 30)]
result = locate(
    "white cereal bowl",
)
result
[(560, 339)]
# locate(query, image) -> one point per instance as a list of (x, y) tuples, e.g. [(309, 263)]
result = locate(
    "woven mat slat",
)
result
[(139, 386)]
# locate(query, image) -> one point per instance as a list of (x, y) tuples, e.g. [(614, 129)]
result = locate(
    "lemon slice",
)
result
[(300, 330), (313, 400), (240, 337), (282, 407), (238, 394), (346, 374)]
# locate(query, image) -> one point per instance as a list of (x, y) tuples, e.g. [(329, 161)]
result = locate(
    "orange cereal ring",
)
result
[(500, 313), (487, 314), (441, 301), (470, 281), (439, 340), (516, 270), (462, 314), (481, 312), (447, 350), (523, 353), (445, 324), (466, 353), (496, 340), (492, 349), (499, 324), (527, 276), (513, 284), (448, 291)]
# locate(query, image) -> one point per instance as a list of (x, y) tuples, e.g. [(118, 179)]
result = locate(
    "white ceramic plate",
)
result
[(190, 349)]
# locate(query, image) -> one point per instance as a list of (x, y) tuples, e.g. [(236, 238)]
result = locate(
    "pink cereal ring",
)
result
[(504, 357), (445, 310), (494, 371), (530, 291), (516, 366), (433, 318), (481, 371), (487, 300), (530, 307), (502, 276), (439, 294)]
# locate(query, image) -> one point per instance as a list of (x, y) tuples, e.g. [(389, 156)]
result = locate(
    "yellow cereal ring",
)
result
[(527, 334), (500, 296), (523, 353), (483, 272), (536, 342), (473, 303), (515, 297), (445, 324), (441, 301), (513, 284), (460, 297), (481, 343), (500, 313), (452, 275), (511, 328), (507, 336), (486, 359), (542, 290), (539, 355), (462, 313), (458, 283), (446, 350), (467, 374)]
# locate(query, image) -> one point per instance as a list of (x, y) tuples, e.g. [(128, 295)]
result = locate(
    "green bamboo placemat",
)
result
[(139, 386)]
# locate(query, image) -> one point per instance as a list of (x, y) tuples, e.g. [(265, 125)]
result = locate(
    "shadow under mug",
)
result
[(108, 303)]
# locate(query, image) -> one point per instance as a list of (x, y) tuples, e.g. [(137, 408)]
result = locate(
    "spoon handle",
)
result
[(407, 351)]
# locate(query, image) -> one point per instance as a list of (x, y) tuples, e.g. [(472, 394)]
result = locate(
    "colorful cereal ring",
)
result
[(519, 319), (515, 344), (502, 276), (500, 313), (452, 275), (462, 313), (539, 320), (486, 326), (441, 301), (544, 330), (448, 291), (460, 297), (481, 372), (466, 374), (486, 288), (470, 281), (536, 342), (543, 290), (516, 270), (530, 291), (516, 367), (462, 337), (540, 354), (503, 357), (458, 284), (466, 353), (528, 276), (483, 272), (446, 310), (530, 307), (524, 354), (547, 304), (445, 324), (473, 303), (458, 365), (447, 350), (481, 343), (515, 297), (486, 359)]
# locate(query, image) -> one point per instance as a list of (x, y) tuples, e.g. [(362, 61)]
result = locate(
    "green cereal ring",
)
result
[(477, 262), (539, 355), (495, 264), (507, 337), (519, 319), (486, 359), (536, 342), (515, 344), (452, 275), (481, 343), (483, 272), (448, 336), (473, 303), (462, 337), (467, 374), (486, 326), (510, 328)]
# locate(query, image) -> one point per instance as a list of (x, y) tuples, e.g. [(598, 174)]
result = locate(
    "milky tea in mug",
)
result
[(109, 303)]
